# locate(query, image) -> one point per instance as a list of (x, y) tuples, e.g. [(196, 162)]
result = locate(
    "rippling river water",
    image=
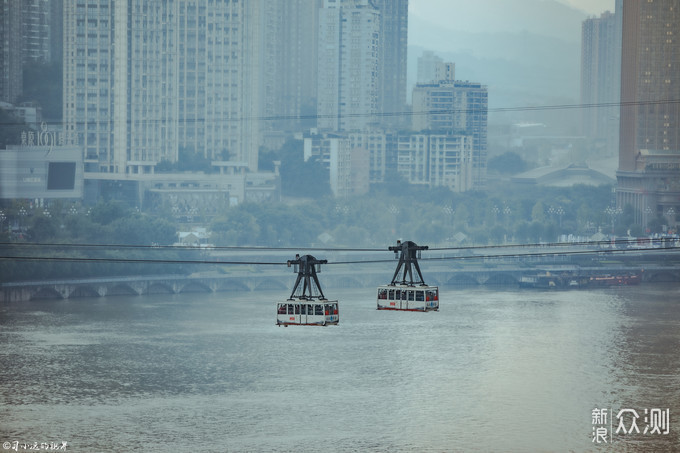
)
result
[(491, 371)]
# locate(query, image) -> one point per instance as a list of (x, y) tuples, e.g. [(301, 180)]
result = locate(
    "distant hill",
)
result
[(542, 17), (526, 51)]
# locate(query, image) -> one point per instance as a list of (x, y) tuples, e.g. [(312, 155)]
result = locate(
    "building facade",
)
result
[(348, 65), (601, 78), (290, 30), (452, 107), (436, 160), (357, 159), (37, 30), (11, 46), (649, 149), (143, 79), (393, 61)]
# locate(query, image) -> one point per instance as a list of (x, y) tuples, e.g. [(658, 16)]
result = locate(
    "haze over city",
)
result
[(491, 187)]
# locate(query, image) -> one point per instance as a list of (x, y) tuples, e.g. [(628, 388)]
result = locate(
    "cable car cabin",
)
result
[(307, 312), (409, 293), (408, 298)]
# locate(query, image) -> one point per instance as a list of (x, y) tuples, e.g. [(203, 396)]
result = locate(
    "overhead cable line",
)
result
[(253, 248), (608, 243), (388, 114), (453, 258)]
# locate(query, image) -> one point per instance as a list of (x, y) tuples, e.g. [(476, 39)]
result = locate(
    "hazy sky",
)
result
[(592, 7), (430, 7), (478, 15)]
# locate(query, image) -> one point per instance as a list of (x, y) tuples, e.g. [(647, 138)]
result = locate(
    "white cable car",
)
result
[(408, 294), (307, 305), (307, 313), (408, 298)]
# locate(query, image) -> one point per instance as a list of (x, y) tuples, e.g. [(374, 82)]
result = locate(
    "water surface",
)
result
[(491, 371)]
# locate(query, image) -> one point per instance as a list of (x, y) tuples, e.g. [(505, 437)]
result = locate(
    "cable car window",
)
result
[(297, 309), (310, 309), (420, 296), (318, 309), (290, 309), (410, 294), (382, 294), (391, 296), (303, 309), (335, 309), (282, 309), (403, 295)]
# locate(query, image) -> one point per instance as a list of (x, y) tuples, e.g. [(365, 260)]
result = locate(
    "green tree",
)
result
[(538, 212), (106, 212), (507, 163)]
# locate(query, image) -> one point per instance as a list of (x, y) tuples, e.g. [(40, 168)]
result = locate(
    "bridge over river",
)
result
[(496, 275)]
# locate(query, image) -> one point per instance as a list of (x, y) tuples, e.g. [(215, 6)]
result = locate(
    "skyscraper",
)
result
[(11, 44), (393, 60), (36, 25), (146, 78), (601, 78), (289, 55), (348, 65), (649, 154)]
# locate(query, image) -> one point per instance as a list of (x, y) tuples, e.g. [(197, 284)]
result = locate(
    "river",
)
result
[(515, 370)]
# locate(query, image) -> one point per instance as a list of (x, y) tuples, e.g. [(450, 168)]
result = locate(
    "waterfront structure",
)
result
[(348, 65), (649, 151), (143, 79), (601, 78), (453, 107)]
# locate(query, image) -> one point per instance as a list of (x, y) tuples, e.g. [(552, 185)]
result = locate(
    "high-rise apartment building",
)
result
[(146, 78), (348, 65), (393, 60), (289, 54), (649, 151), (601, 78), (36, 30), (455, 107), (11, 46)]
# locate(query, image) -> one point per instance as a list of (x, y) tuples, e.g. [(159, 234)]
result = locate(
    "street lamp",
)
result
[(613, 212), (394, 210), (559, 211), (671, 216)]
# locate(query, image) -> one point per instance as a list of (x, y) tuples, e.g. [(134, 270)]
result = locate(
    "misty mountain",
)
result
[(541, 17), (527, 52)]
